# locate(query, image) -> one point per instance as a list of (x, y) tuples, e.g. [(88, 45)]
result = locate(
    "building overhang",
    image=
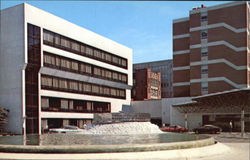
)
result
[(232, 101)]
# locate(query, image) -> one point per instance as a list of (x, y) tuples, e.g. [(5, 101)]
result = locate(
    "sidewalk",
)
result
[(181, 154)]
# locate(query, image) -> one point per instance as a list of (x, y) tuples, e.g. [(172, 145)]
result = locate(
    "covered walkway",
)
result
[(235, 101)]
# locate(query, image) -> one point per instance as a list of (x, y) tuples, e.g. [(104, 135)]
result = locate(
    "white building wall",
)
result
[(58, 25), (13, 57), (11, 65), (172, 116)]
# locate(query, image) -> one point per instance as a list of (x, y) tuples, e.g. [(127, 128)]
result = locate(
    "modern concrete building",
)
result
[(165, 67), (211, 50), (55, 73), (146, 84)]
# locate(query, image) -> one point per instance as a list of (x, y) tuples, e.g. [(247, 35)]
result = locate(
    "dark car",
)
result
[(175, 128), (207, 129)]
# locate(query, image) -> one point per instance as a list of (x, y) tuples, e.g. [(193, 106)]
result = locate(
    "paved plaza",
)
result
[(239, 147)]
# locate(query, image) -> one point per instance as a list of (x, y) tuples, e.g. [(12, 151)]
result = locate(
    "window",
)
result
[(97, 54), (58, 63), (49, 59), (115, 76), (65, 42), (74, 65), (154, 93), (204, 51), (95, 89), (47, 81), (204, 54), (108, 57), (57, 40), (73, 85), (204, 69), (86, 87), (80, 86), (204, 86), (108, 74), (89, 51), (203, 18), (124, 63), (49, 37), (75, 46), (204, 34), (122, 93), (103, 55), (45, 103), (65, 63), (97, 71), (115, 60), (106, 91), (64, 104), (63, 84), (82, 49), (101, 90), (55, 82), (113, 92)]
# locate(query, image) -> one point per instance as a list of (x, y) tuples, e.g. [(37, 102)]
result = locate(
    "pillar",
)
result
[(242, 122), (186, 123)]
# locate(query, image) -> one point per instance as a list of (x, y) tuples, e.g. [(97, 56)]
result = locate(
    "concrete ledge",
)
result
[(180, 154), (106, 148)]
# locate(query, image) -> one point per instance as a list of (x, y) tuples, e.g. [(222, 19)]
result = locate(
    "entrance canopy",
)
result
[(233, 101)]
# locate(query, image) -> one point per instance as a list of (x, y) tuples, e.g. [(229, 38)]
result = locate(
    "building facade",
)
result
[(146, 84), (211, 50), (165, 68), (55, 73)]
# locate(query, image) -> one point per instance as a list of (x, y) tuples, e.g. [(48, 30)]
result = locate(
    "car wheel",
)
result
[(197, 132)]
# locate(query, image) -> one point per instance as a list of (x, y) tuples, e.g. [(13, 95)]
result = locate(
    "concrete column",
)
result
[(186, 123), (242, 122)]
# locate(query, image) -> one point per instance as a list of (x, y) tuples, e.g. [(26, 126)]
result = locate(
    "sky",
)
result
[(144, 26)]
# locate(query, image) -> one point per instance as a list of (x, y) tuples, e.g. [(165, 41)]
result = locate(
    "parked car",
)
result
[(175, 128), (65, 129), (208, 129)]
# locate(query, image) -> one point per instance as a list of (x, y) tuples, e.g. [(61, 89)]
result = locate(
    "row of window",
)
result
[(81, 67), (154, 92), (70, 105), (59, 41), (67, 85), (154, 82)]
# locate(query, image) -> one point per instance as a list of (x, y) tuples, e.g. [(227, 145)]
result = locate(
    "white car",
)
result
[(66, 129)]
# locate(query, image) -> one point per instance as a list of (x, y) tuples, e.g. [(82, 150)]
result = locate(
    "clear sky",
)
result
[(144, 26)]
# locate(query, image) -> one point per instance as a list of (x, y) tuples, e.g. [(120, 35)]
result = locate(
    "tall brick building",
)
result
[(211, 50), (146, 84), (165, 67)]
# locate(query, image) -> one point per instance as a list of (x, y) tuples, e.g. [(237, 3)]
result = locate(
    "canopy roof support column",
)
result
[(242, 122), (186, 123)]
